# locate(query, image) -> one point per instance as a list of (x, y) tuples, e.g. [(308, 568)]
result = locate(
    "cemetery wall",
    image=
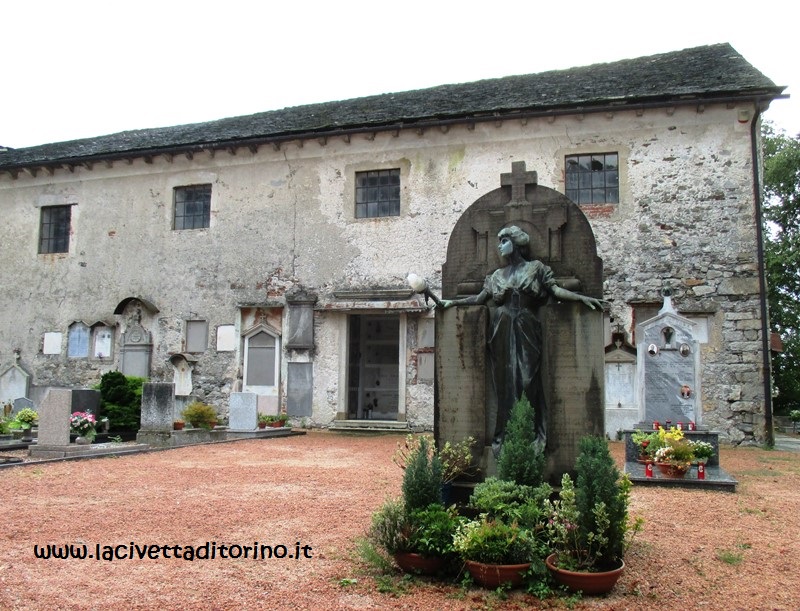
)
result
[(282, 218)]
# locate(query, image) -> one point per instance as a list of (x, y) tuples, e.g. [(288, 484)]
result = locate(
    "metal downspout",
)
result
[(762, 281)]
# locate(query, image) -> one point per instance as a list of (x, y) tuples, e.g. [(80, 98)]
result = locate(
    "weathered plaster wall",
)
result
[(284, 218)]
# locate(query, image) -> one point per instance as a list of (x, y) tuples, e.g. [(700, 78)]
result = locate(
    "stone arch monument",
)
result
[(573, 350)]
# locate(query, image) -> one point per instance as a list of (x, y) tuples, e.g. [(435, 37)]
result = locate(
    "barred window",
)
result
[(54, 227), (192, 207), (377, 193), (593, 179)]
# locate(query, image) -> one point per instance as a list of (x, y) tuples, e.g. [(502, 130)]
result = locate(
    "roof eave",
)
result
[(762, 98)]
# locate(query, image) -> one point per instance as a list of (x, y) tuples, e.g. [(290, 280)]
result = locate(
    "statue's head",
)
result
[(519, 238)]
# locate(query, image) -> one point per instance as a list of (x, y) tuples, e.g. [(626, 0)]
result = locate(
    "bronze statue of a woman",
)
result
[(515, 291)]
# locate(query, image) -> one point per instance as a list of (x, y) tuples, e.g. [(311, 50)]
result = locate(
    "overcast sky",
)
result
[(83, 68)]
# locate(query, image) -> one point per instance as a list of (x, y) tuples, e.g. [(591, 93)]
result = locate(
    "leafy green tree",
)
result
[(782, 258)]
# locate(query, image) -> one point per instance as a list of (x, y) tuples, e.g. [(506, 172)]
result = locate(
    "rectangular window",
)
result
[(196, 335), (593, 179), (192, 207), (377, 194), (54, 229)]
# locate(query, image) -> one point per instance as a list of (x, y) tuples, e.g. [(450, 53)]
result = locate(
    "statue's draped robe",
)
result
[(515, 344)]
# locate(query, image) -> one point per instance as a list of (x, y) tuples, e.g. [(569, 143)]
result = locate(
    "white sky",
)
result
[(83, 68)]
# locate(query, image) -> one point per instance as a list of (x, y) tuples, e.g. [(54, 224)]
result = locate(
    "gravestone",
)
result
[(243, 411), (14, 383), (299, 333), (182, 364), (622, 411), (299, 389), (54, 413), (21, 403), (136, 347), (157, 405), (86, 400), (668, 368), (572, 356)]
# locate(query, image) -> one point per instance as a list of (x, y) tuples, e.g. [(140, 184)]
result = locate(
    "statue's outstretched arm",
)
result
[(478, 299), (566, 295)]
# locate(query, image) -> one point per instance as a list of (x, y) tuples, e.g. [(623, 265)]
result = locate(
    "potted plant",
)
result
[(455, 458), (200, 415), (83, 424), (263, 420), (675, 455), (646, 443), (588, 526), (27, 417), (178, 425), (274, 421), (521, 457), (420, 541), (495, 553), (702, 451)]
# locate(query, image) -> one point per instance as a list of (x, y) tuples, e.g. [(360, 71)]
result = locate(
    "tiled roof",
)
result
[(709, 72)]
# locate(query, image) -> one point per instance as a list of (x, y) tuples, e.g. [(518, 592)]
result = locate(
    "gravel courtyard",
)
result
[(309, 497)]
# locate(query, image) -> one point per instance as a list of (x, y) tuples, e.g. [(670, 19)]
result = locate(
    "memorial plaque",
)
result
[(669, 365)]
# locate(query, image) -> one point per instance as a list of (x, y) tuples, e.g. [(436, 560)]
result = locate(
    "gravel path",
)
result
[(311, 496)]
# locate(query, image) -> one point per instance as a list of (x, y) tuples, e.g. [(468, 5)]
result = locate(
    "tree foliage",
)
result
[(422, 480), (121, 400), (782, 258), (521, 457)]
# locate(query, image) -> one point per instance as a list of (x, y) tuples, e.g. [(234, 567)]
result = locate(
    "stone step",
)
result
[(369, 426)]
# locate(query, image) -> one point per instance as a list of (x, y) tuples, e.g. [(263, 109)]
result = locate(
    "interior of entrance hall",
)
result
[(373, 367)]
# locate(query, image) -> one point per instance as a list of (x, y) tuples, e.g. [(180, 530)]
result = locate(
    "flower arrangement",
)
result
[(702, 450), (83, 424), (27, 417), (675, 449)]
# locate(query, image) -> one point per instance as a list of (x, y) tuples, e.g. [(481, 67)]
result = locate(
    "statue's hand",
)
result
[(446, 303), (593, 303)]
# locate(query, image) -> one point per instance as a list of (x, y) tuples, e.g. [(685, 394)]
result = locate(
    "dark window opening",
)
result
[(593, 179), (377, 194)]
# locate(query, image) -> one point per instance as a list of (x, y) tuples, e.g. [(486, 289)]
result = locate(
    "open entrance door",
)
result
[(373, 367)]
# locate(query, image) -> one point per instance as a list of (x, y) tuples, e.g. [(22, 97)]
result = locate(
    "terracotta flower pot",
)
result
[(671, 471), (493, 576), (581, 581), (417, 564), (262, 425)]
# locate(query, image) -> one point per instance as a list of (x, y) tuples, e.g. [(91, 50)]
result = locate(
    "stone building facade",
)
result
[(270, 253)]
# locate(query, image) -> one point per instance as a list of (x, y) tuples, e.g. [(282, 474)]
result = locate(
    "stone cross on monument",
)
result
[(518, 179)]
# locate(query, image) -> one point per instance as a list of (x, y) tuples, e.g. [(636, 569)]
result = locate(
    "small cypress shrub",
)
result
[(600, 483), (521, 456), (121, 400), (422, 480)]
